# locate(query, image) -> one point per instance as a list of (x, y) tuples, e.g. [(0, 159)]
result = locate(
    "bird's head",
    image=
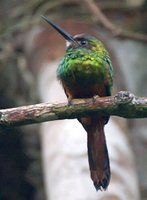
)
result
[(82, 41)]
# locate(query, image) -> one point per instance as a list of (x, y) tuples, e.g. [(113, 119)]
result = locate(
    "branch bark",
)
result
[(99, 16), (123, 104)]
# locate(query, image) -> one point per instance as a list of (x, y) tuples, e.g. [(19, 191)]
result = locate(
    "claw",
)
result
[(94, 98), (69, 101)]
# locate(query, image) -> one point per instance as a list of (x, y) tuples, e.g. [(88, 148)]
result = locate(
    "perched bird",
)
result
[(86, 71)]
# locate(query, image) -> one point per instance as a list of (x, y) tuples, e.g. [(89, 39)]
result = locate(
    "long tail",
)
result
[(97, 152)]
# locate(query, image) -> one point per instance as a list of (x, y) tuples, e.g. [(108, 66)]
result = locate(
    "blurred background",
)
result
[(29, 54)]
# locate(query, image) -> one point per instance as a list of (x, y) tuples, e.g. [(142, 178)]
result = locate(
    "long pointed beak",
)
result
[(65, 34)]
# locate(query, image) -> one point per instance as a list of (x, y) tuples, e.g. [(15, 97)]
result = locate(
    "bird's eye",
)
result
[(83, 42)]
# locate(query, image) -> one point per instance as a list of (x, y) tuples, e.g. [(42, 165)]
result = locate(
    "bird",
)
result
[(86, 71)]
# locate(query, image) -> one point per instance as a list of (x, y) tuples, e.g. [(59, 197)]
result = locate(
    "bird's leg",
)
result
[(70, 100), (94, 98)]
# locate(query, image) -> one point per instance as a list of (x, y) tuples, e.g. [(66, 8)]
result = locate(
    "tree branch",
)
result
[(99, 16), (123, 104)]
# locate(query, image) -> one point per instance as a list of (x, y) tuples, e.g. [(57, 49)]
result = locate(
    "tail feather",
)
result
[(97, 152)]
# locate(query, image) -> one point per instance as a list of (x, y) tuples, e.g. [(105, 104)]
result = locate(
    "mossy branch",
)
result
[(123, 104)]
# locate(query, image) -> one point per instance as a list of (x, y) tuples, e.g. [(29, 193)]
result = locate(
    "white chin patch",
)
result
[(68, 43)]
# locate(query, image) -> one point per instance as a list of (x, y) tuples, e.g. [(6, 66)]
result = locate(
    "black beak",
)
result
[(65, 34)]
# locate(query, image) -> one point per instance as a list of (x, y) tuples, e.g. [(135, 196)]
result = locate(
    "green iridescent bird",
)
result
[(86, 71)]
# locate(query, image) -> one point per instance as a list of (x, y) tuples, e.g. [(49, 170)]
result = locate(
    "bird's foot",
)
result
[(70, 101), (94, 98)]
